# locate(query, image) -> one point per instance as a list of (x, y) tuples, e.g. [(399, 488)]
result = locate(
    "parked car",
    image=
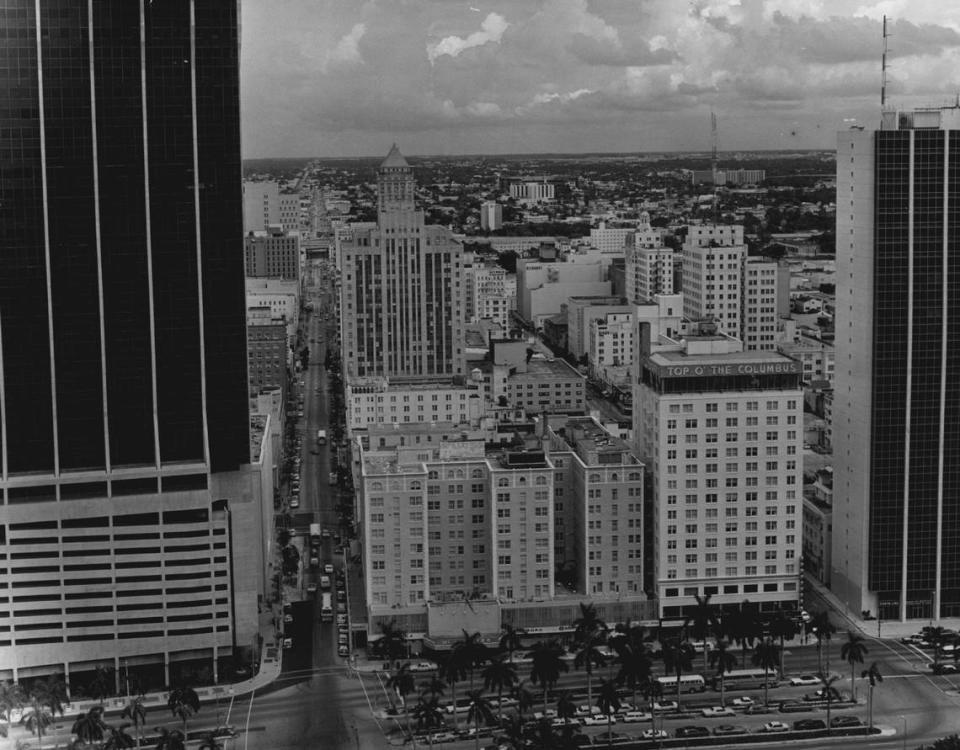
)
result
[(343, 650), (793, 707), (422, 666), (663, 706), (804, 679), (726, 730), (715, 711), (294, 502), (654, 734), (585, 710), (803, 725), (821, 695), (288, 642), (744, 701), (944, 668), (845, 720), (635, 716), (692, 731), (599, 720), (775, 726)]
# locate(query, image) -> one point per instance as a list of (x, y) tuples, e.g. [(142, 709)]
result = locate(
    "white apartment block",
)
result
[(713, 257), (611, 340), (542, 288), (290, 211), (610, 239), (760, 291), (721, 430), (261, 205), (817, 357), (529, 191), (598, 502), (493, 291), (583, 311), (282, 296), (649, 271), (377, 401), (491, 216)]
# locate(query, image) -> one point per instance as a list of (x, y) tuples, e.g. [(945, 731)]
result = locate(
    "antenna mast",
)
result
[(713, 145), (883, 67)]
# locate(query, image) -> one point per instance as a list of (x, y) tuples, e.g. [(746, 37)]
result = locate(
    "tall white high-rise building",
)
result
[(760, 293), (721, 430), (402, 291), (713, 258), (491, 215)]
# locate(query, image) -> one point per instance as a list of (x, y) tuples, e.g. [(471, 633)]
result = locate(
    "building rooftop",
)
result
[(675, 358), (394, 159), (258, 426), (541, 369)]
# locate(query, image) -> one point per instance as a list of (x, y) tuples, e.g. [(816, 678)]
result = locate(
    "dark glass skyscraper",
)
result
[(121, 273), (896, 519), (123, 388)]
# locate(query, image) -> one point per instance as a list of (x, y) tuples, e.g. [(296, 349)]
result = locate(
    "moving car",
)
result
[(804, 679), (845, 720), (598, 720), (654, 734), (288, 642), (632, 716), (775, 726), (659, 706), (743, 701), (726, 730), (692, 731), (944, 668), (714, 711), (343, 650), (294, 502), (802, 725), (328, 569), (420, 666)]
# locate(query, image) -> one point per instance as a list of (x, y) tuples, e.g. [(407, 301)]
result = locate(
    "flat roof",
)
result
[(537, 369), (668, 358)]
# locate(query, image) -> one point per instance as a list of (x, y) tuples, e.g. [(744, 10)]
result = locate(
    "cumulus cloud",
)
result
[(491, 30), (347, 50)]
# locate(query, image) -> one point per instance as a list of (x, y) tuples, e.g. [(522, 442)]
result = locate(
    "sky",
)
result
[(337, 78)]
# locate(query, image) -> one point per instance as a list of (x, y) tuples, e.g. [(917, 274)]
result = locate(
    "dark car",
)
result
[(944, 668), (692, 731), (845, 720), (725, 730), (792, 707), (808, 724)]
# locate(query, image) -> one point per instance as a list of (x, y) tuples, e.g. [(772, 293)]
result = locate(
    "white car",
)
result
[(584, 710), (288, 642), (775, 726), (743, 701), (294, 502), (596, 721), (654, 734), (665, 706), (632, 716), (548, 714), (717, 711), (420, 666), (804, 679)]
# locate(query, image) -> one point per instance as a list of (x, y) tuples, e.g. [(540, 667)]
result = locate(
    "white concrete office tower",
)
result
[(713, 258), (491, 215), (649, 264), (265, 206), (610, 239), (896, 420), (721, 430), (760, 293), (493, 291), (402, 291)]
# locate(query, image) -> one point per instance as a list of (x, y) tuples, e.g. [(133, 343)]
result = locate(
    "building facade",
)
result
[(491, 216), (713, 257), (126, 439), (402, 288), (760, 291), (273, 253), (267, 350), (721, 431), (896, 420)]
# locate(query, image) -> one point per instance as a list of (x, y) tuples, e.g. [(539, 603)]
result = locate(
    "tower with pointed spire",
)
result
[(402, 306)]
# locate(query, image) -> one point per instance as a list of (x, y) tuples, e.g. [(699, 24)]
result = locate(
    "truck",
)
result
[(326, 609), (321, 437), (315, 533)]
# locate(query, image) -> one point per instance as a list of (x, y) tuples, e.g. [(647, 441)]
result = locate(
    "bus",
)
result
[(746, 679), (326, 608), (689, 683)]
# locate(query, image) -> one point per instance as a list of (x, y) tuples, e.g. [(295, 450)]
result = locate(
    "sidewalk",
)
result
[(270, 664)]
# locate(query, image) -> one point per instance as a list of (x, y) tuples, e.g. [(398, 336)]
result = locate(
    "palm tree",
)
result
[(102, 683), (510, 640), (11, 697), (852, 651), (136, 711), (497, 675), (783, 627), (392, 643), (183, 703), (453, 671), (566, 707), (480, 710), (428, 713), (767, 656), (874, 676), (435, 686), (635, 664), (723, 660), (828, 690), (403, 684), (170, 739), (936, 636), (118, 739), (209, 742), (609, 703), (547, 666), (523, 697), (472, 651), (89, 727), (587, 624), (823, 629), (46, 699), (742, 627), (678, 658), (652, 690), (702, 622), (587, 657)]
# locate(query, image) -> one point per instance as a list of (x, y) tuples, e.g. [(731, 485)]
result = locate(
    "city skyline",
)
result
[(570, 76)]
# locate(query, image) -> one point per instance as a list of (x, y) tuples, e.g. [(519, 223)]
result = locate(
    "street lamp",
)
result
[(904, 719)]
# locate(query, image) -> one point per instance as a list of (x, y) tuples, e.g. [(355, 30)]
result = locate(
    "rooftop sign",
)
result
[(779, 367)]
